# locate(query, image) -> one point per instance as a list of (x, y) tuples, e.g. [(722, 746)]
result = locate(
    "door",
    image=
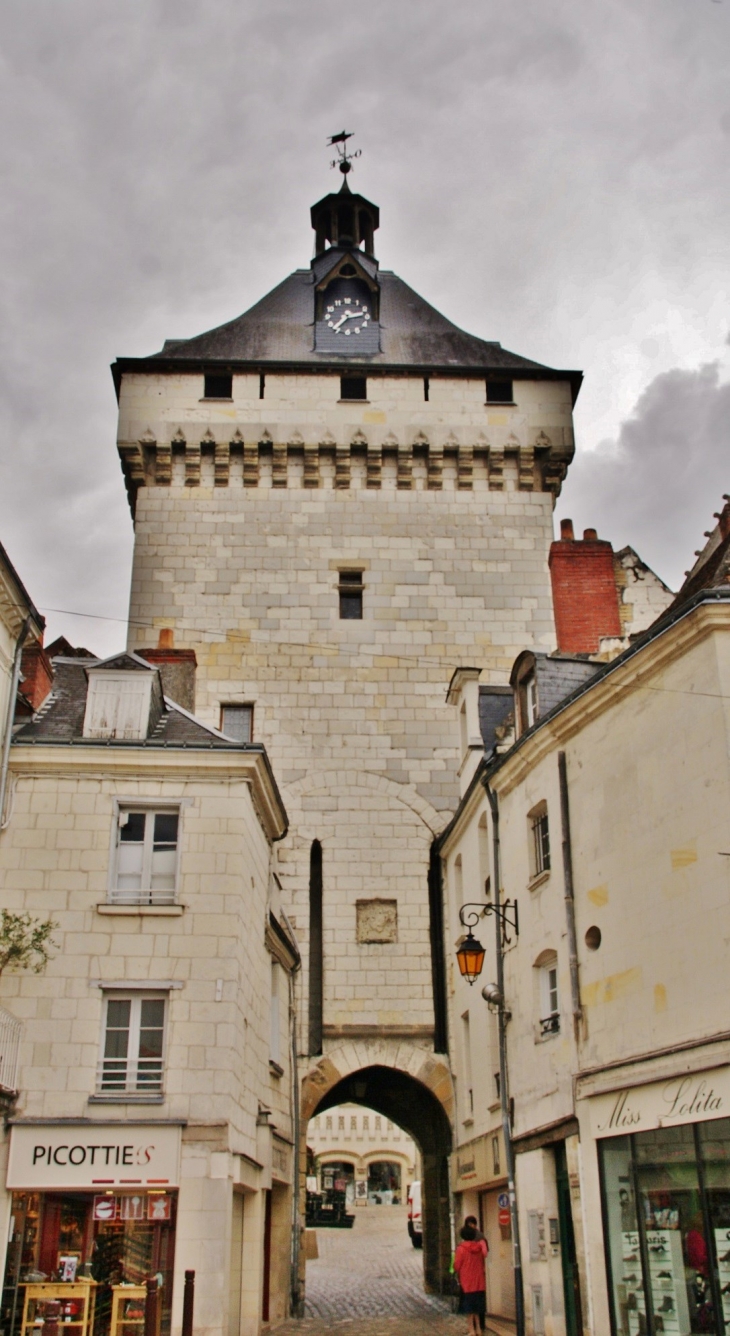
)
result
[(571, 1283)]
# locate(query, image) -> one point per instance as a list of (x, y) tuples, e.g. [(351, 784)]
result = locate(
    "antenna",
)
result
[(344, 159)]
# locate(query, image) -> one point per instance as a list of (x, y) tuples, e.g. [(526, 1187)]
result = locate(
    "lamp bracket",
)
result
[(506, 914)]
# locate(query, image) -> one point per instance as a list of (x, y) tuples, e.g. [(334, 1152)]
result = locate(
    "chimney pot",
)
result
[(566, 531), (166, 638), (590, 535)]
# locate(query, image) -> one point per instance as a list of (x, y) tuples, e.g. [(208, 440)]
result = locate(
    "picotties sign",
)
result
[(94, 1155)]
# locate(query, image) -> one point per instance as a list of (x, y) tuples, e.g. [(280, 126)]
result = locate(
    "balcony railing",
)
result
[(9, 1044), (550, 1024), (129, 1076)]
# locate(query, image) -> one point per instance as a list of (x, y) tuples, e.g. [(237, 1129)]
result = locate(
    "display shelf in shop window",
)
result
[(77, 1300), (128, 1307)]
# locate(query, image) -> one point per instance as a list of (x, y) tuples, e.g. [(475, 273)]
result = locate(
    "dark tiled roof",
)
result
[(279, 330), (61, 718), (712, 568), (557, 677), (495, 707)]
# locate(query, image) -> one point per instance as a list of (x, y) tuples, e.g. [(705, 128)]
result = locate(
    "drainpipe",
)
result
[(296, 1133), (503, 1086), (11, 716), (569, 896)]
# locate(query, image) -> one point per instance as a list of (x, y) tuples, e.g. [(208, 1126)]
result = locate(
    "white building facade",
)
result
[(151, 1130)]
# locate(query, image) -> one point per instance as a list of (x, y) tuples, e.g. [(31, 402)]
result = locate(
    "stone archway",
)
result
[(412, 1087)]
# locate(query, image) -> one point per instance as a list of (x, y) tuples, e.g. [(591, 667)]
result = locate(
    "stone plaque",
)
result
[(377, 920)]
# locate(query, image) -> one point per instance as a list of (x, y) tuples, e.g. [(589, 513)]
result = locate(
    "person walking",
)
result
[(469, 1260)]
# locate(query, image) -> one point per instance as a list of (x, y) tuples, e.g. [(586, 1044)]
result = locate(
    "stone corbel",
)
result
[(250, 464), (526, 469), (279, 476), (222, 463), (496, 470), (342, 466), (311, 465), (465, 468), (192, 464)]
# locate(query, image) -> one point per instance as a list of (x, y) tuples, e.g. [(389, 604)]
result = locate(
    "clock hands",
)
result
[(348, 315)]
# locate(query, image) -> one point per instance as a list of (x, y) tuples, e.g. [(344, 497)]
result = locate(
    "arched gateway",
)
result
[(413, 1088)]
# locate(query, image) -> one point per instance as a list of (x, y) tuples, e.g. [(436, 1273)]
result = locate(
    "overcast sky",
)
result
[(551, 176)]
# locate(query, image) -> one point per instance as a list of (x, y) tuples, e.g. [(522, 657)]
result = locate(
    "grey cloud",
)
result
[(549, 176), (658, 484)]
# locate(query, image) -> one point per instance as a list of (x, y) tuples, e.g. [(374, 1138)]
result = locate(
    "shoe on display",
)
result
[(664, 1275), (725, 1257), (659, 1324), (667, 1304), (630, 1280), (631, 1301)]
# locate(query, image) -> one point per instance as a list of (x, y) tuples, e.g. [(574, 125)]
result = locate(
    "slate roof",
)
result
[(60, 718), (558, 676), (279, 332), (496, 704)]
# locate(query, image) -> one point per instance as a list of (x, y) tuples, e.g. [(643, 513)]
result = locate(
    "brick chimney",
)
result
[(37, 674), (177, 668), (585, 597)]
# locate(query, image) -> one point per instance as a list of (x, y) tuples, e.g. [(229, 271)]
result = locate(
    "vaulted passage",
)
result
[(398, 1096)]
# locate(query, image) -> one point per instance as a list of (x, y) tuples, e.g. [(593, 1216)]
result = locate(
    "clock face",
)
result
[(347, 316)]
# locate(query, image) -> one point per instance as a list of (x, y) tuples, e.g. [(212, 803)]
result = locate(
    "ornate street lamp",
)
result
[(470, 953)]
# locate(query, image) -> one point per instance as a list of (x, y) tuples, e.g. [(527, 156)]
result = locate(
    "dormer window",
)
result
[(525, 688), (124, 700)]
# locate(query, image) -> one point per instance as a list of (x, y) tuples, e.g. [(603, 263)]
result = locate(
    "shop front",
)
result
[(480, 1187), (92, 1216), (664, 1163)]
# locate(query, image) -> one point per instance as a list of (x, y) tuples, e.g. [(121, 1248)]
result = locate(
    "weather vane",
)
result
[(344, 159)]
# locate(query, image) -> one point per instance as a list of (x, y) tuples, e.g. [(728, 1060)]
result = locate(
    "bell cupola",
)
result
[(343, 219)]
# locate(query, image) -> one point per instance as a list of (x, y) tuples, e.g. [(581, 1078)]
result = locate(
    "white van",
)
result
[(414, 1215)]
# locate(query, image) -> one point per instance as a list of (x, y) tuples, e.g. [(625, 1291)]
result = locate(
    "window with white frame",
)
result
[(539, 840), (146, 862), (133, 1044), (549, 1000)]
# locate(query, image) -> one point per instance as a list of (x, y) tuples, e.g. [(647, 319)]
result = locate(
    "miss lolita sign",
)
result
[(94, 1155), (694, 1098)]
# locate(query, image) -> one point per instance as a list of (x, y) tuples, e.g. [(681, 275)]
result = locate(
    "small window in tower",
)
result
[(218, 385), (426, 388), (237, 722), (350, 590), (499, 392), (353, 387), (262, 385)]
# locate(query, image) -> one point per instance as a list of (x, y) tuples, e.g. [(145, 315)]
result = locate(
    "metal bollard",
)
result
[(51, 1317), (188, 1303), (152, 1307)]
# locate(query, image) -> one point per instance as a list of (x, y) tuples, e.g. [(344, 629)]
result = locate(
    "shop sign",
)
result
[(683, 1099), (151, 1206), (472, 1165), (93, 1155)]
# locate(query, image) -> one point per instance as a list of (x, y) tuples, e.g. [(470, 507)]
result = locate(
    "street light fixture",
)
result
[(470, 954)]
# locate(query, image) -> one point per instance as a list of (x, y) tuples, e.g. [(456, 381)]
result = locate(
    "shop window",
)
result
[(549, 1001), (539, 840), (146, 861), (237, 722), (350, 591), (133, 1046)]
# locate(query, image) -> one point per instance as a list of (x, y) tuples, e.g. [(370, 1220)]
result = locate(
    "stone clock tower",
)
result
[(339, 497)]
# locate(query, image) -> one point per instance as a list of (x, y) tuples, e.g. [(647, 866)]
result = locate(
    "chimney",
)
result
[(585, 597), (177, 668), (36, 674)]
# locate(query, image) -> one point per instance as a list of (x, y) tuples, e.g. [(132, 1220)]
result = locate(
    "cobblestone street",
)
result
[(372, 1276)]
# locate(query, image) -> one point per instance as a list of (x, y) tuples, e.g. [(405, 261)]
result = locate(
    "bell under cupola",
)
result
[(345, 221)]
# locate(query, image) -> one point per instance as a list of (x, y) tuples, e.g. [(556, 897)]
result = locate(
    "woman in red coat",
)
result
[(469, 1260)]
